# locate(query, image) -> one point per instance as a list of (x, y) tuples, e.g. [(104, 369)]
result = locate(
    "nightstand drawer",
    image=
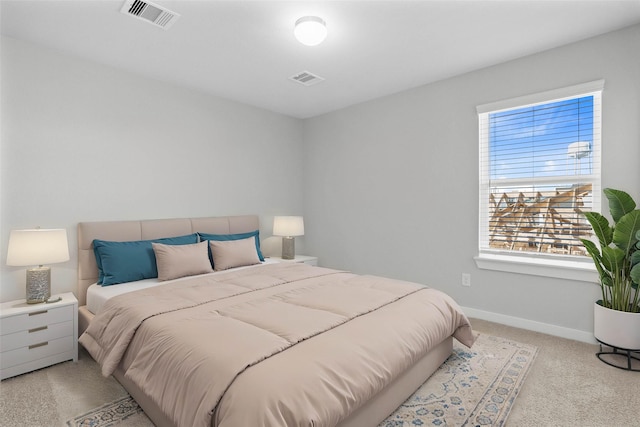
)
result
[(35, 351), (35, 319), (36, 335)]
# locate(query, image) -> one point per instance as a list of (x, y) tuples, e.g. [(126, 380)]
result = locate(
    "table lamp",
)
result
[(37, 247), (288, 227)]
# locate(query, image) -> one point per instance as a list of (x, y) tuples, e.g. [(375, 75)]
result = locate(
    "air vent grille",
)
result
[(306, 78), (149, 12)]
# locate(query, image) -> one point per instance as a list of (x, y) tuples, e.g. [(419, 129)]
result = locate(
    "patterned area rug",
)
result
[(474, 387), (107, 415)]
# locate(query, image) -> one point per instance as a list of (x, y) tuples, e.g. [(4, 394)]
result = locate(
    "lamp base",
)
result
[(288, 247), (38, 284)]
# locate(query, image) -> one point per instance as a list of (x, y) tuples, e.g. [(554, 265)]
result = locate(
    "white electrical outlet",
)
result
[(466, 279)]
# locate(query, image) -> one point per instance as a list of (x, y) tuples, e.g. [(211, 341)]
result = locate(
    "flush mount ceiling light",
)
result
[(310, 30)]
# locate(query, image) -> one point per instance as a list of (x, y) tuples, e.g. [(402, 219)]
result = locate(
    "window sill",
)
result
[(561, 269)]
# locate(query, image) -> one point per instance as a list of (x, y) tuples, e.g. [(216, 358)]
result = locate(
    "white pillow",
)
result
[(175, 261), (233, 253)]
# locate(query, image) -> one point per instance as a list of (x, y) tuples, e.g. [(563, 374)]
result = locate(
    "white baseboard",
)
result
[(531, 325)]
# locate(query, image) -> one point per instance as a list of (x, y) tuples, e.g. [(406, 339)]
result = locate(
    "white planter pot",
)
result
[(616, 328)]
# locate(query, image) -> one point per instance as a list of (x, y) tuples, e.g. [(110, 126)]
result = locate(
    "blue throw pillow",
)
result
[(121, 262), (238, 236)]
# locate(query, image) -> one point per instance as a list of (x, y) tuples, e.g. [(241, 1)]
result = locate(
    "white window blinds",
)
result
[(539, 170)]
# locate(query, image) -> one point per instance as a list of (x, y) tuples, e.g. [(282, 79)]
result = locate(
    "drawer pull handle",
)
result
[(42, 344), (41, 328), (38, 312)]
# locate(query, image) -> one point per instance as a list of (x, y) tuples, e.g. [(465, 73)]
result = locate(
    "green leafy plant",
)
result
[(618, 258)]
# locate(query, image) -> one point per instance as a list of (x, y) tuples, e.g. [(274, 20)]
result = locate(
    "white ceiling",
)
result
[(245, 50)]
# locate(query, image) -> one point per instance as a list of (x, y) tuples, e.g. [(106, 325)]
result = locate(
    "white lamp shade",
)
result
[(37, 247), (288, 226), (310, 30)]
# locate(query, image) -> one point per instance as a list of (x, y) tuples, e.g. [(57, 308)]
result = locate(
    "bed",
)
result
[(265, 344)]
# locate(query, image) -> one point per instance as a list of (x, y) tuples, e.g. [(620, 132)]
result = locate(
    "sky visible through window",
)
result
[(548, 140)]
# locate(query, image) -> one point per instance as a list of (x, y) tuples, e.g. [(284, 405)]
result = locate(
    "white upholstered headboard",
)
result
[(143, 230)]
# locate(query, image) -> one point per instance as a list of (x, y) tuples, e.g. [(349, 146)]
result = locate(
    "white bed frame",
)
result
[(370, 414)]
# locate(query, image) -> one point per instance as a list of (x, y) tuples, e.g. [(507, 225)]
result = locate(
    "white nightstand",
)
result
[(33, 336), (305, 259)]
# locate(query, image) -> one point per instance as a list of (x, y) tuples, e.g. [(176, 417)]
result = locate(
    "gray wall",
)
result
[(85, 142), (387, 187), (392, 184)]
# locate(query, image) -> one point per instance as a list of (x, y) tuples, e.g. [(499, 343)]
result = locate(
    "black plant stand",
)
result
[(621, 354)]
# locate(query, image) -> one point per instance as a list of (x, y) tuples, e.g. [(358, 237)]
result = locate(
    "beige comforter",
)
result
[(275, 345)]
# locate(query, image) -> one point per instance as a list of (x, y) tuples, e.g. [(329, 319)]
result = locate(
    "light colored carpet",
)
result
[(567, 386), (474, 386)]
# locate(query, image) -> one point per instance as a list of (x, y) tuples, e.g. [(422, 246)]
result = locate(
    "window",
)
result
[(539, 170)]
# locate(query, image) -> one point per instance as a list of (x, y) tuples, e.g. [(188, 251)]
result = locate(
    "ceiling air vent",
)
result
[(150, 12), (306, 78)]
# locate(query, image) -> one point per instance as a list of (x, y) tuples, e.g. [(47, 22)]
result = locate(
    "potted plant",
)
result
[(617, 314)]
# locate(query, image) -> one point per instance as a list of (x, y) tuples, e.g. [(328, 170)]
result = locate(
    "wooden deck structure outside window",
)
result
[(543, 222)]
